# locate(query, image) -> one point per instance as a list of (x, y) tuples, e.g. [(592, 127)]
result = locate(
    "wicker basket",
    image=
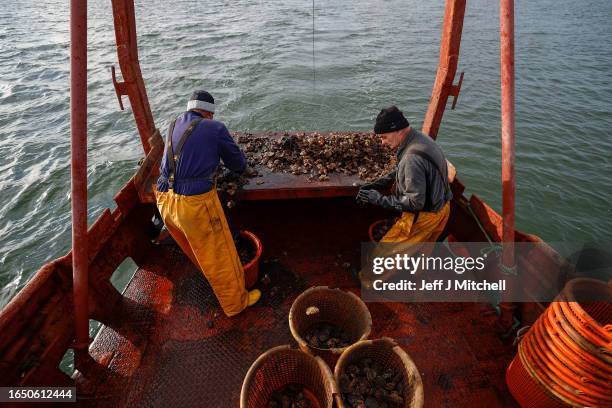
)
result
[(342, 309), (283, 365), (388, 354)]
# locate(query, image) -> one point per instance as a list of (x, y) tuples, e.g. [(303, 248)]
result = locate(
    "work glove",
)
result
[(389, 202), (368, 196)]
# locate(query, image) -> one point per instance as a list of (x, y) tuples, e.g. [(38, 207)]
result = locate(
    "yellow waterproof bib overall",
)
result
[(198, 225), (428, 227)]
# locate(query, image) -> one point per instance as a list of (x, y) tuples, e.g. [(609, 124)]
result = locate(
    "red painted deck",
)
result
[(159, 351)]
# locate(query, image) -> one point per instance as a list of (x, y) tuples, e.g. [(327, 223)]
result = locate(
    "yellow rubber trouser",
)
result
[(428, 227), (198, 225)]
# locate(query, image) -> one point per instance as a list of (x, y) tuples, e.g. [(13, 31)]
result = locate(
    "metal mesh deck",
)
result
[(163, 354)]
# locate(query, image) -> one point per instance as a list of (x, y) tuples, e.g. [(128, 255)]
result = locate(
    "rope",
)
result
[(519, 334), (493, 247), (469, 206)]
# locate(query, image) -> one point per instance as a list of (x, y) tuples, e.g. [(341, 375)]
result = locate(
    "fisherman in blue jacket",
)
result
[(188, 203)]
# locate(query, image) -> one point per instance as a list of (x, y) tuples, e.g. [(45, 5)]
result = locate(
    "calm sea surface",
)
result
[(256, 58)]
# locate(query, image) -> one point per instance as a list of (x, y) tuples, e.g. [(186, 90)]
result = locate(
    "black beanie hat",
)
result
[(389, 120)]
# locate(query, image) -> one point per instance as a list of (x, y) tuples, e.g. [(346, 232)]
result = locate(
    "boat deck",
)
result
[(161, 352)]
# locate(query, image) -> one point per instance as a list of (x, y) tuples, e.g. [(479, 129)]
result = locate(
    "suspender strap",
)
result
[(169, 144), (171, 156), (183, 139), (427, 157)]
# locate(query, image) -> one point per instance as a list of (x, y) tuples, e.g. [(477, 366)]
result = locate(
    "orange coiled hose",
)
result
[(575, 375), (568, 351), (549, 377), (596, 337), (592, 312), (562, 347), (562, 378), (551, 323)]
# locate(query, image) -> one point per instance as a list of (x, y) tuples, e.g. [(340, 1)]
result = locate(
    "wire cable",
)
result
[(314, 76)]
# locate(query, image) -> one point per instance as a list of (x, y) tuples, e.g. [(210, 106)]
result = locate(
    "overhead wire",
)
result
[(314, 76)]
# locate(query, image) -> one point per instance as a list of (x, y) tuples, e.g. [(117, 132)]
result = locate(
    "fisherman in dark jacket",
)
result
[(188, 203), (422, 192)]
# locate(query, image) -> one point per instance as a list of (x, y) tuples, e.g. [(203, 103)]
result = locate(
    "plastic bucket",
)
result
[(377, 224), (251, 269), (526, 390)]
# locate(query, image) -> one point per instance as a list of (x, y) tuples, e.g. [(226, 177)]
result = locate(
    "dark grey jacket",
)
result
[(419, 186)]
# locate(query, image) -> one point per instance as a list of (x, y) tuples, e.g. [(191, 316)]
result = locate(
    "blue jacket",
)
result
[(209, 143)]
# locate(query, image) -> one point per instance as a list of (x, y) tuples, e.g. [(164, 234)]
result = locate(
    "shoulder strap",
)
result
[(186, 134), (173, 157), (169, 138)]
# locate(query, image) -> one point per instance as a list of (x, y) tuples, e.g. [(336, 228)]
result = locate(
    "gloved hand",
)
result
[(389, 202), (368, 196)]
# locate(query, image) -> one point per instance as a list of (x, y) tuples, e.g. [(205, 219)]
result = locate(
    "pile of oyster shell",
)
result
[(315, 155), (312, 155)]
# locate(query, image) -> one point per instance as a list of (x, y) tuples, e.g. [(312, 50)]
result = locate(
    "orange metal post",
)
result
[(133, 85), (78, 134), (508, 134), (447, 67)]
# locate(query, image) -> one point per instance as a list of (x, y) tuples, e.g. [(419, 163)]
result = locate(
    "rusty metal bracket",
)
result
[(120, 87), (443, 87), (455, 89)]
